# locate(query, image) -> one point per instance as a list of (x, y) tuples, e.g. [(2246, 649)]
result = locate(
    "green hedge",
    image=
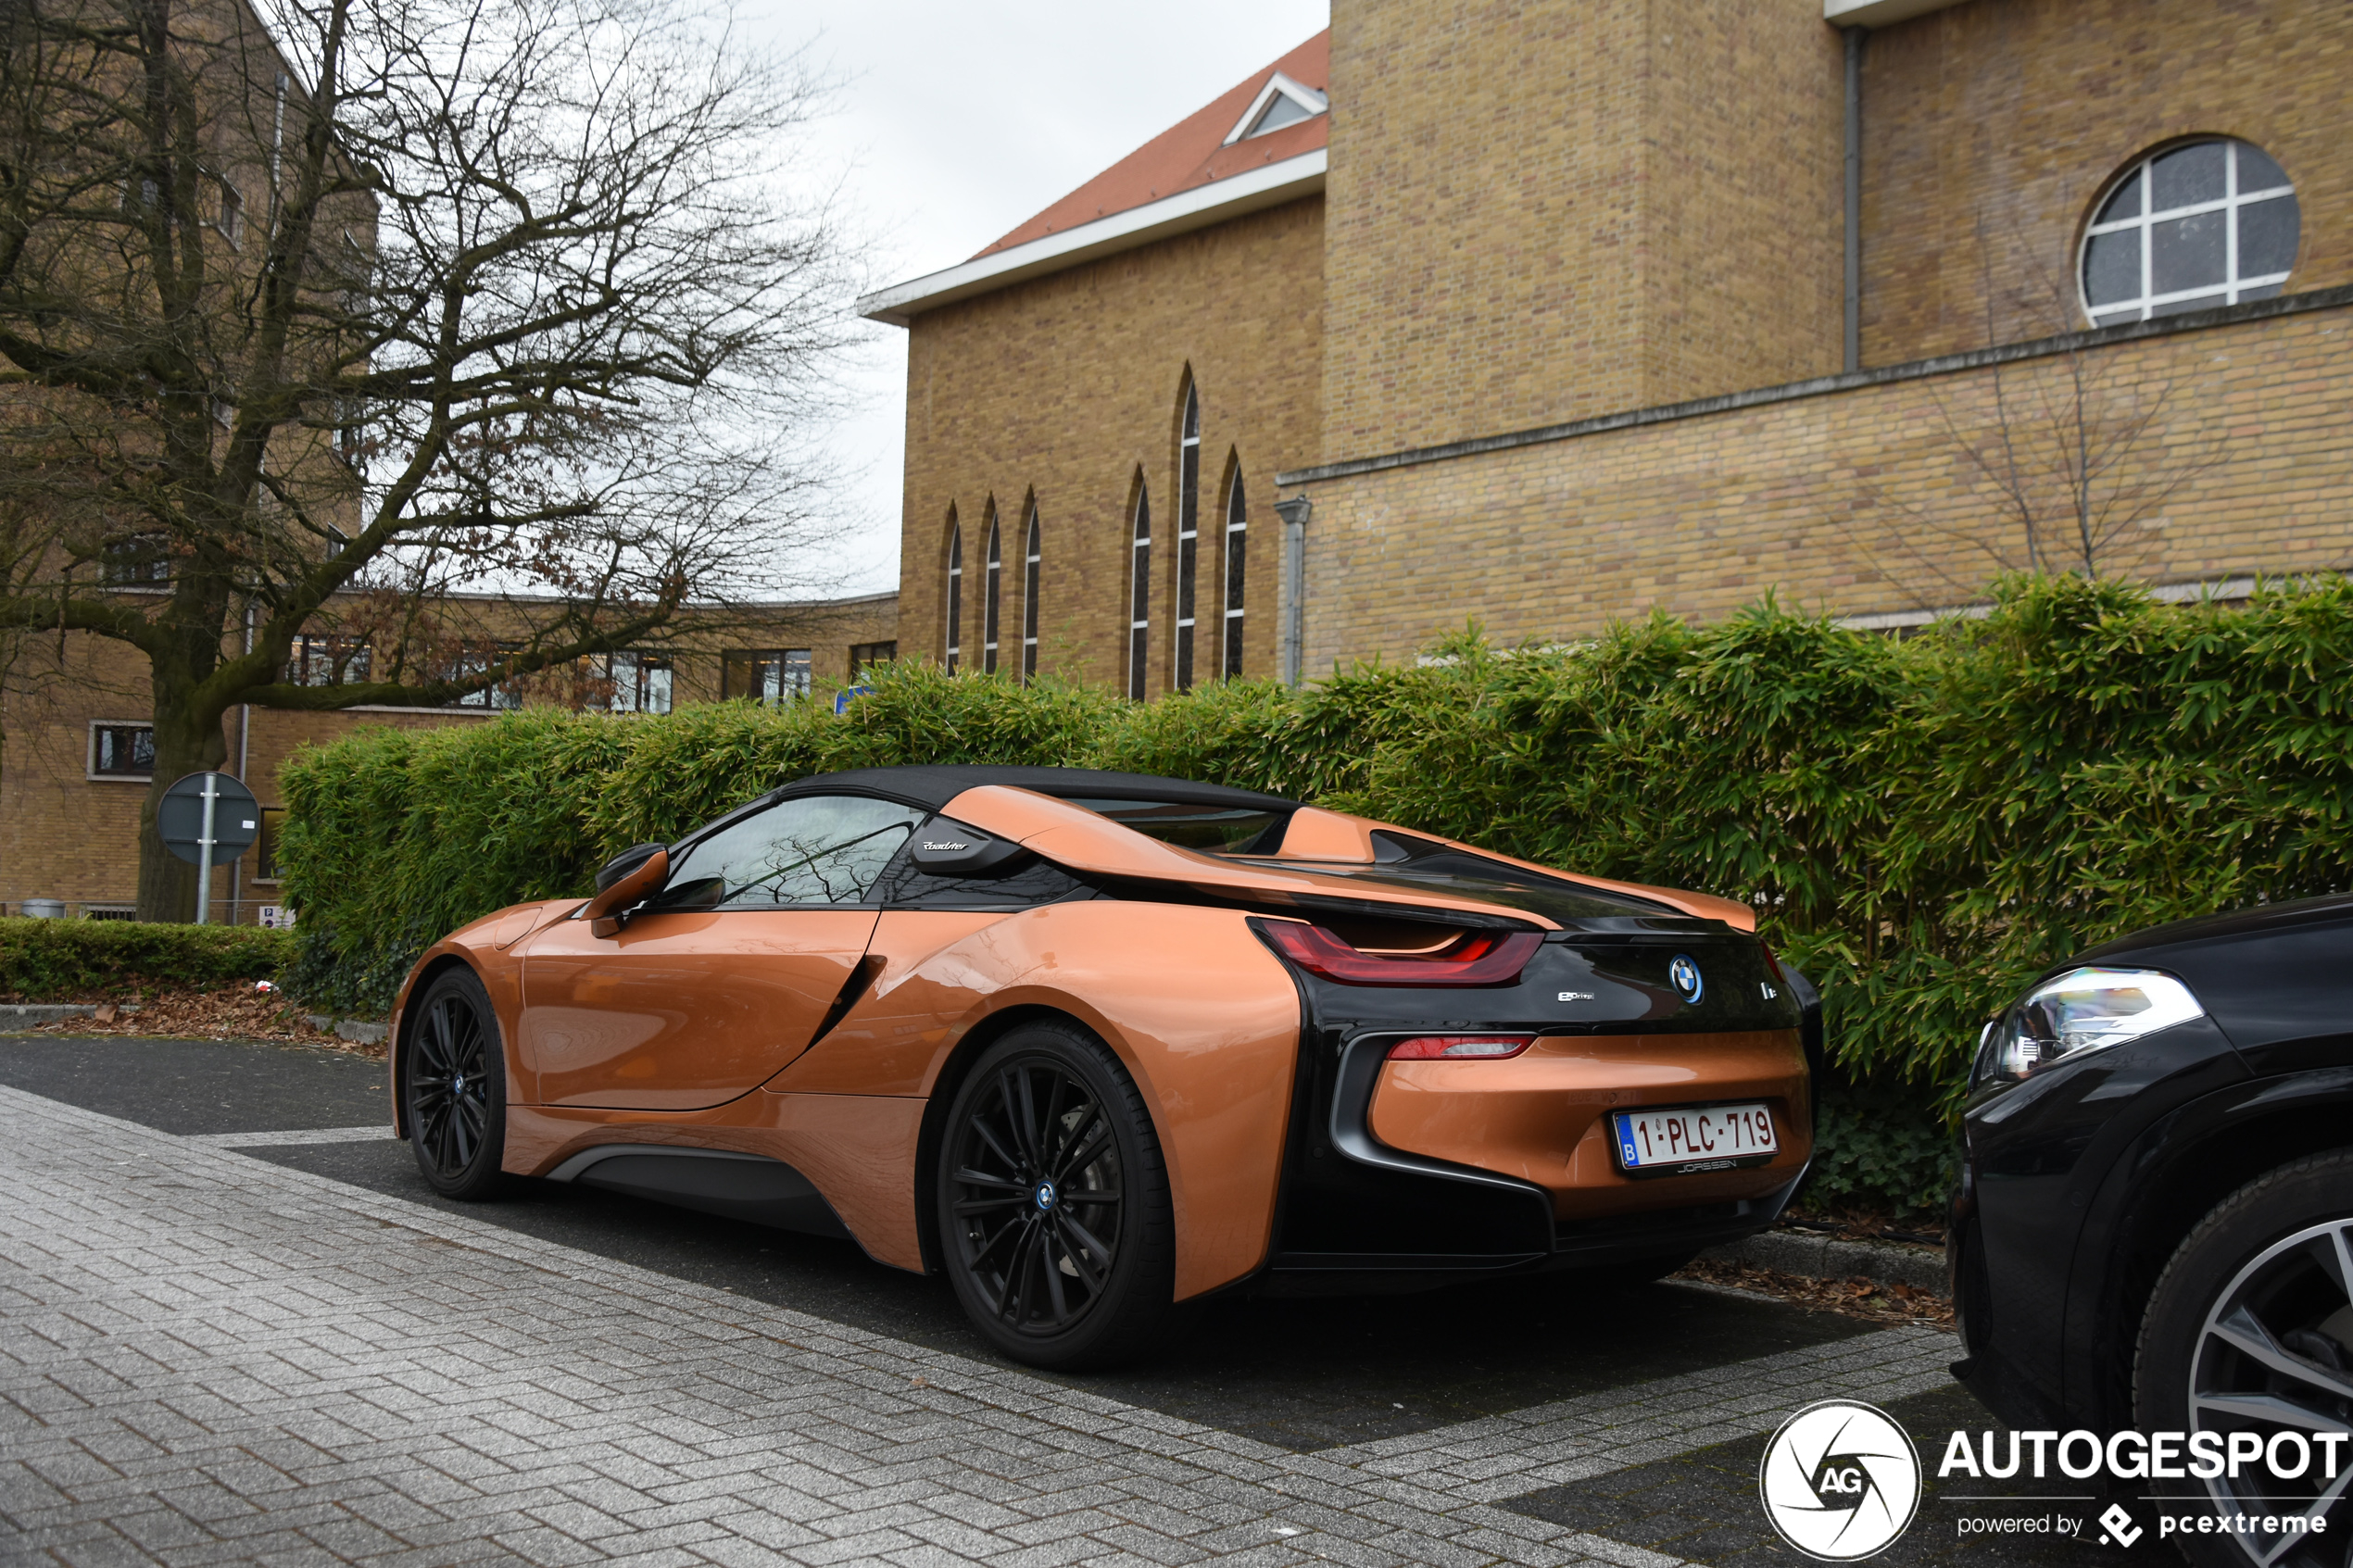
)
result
[(81, 960), (1922, 823)]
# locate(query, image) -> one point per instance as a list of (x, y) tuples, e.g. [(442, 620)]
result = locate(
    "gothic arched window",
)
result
[(1237, 559), (1188, 536), (1030, 558), (955, 592), (992, 596), (1139, 594)]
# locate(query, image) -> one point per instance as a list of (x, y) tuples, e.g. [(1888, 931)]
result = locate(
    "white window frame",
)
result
[(1184, 573), (992, 596), (955, 595), (1236, 545), (1306, 98), (1139, 594), (2233, 199), (1031, 567)]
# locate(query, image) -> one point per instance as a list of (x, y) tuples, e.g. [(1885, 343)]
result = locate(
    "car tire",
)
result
[(2267, 1259), (1055, 1223), (453, 1087)]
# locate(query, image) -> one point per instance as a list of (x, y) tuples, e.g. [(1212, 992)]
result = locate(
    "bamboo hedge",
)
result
[(1922, 823)]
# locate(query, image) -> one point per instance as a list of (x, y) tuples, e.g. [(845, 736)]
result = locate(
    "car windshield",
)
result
[(1475, 877), (1218, 829)]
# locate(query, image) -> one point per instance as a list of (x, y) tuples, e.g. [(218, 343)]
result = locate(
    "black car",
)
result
[(2154, 1229)]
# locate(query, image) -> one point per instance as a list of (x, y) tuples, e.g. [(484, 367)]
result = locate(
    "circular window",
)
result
[(2198, 225)]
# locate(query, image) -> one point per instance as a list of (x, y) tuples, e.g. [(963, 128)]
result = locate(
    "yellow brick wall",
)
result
[(2228, 445), (1744, 283), (2009, 118), (1543, 210), (1068, 388)]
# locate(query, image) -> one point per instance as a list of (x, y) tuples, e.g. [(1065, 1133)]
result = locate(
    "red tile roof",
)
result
[(1188, 154)]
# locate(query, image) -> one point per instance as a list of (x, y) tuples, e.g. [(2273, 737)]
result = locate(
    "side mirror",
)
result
[(628, 879)]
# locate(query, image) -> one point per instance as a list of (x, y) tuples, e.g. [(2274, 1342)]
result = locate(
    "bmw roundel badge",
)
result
[(1683, 974)]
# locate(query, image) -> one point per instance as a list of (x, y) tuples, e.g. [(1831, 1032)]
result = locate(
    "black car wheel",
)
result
[(453, 1086), (2251, 1332), (1054, 1216)]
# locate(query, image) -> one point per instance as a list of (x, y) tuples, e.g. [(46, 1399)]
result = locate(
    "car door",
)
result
[(726, 977)]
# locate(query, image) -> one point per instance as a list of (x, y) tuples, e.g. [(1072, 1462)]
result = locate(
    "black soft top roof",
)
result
[(935, 786)]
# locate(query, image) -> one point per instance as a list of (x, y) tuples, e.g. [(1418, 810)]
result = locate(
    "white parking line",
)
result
[(289, 1138)]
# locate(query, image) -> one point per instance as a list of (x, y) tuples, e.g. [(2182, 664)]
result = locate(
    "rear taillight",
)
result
[(1460, 1047), (1478, 958), (1774, 964)]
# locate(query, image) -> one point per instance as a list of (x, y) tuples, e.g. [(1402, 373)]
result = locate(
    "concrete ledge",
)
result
[(1823, 1257), (351, 1029), (20, 1015), (24, 1015)]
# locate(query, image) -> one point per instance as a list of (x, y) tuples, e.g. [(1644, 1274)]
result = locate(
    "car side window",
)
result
[(1020, 884), (811, 849)]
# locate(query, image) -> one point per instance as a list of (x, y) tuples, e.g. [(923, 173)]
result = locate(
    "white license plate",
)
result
[(1709, 1137)]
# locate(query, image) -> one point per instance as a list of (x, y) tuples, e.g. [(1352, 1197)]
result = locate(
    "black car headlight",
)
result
[(2084, 1009)]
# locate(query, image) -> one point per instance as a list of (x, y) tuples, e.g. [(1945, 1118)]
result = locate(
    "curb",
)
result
[(1822, 1257), (350, 1029), (17, 1015)]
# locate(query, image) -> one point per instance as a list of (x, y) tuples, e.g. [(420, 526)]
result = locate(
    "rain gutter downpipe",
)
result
[(1852, 356), (1292, 654)]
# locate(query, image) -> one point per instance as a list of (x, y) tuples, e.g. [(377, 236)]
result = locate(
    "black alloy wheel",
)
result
[(2249, 1335), (1054, 1207), (453, 1086)]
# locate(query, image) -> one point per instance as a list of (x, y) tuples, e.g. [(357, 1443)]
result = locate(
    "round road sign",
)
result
[(236, 817)]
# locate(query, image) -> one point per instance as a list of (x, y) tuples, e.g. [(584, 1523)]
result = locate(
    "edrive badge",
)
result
[(1683, 974), (1839, 1480)]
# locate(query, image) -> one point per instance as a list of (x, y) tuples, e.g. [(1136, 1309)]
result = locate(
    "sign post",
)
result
[(209, 819)]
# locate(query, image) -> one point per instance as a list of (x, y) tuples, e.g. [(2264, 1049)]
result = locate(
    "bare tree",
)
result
[(2067, 457), (411, 346)]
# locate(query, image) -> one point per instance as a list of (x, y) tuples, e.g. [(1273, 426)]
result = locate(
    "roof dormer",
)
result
[(1279, 103)]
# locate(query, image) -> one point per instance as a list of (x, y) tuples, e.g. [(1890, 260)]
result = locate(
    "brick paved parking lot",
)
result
[(234, 1329)]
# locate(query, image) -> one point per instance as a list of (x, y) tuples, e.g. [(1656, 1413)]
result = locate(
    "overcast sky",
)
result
[(957, 121)]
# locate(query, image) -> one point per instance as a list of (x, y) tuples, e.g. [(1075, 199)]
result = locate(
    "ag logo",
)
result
[(1839, 1480), (1683, 974)]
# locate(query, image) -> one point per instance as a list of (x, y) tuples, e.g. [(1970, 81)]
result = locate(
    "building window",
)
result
[(1030, 558), (1237, 548), (642, 682), (2209, 223), (1188, 536), (765, 675), (142, 560), (955, 596), (329, 661), (502, 696), (1280, 102), (865, 655), (123, 751), (992, 596), (1139, 595), (230, 218), (265, 847)]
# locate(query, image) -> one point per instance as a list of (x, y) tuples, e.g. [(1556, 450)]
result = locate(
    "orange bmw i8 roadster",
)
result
[(1100, 1045)]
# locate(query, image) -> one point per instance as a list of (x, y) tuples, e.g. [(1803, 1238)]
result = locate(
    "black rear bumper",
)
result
[(1358, 1217)]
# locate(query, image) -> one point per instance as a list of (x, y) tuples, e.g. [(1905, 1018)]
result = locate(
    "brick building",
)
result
[(74, 714), (1559, 312)]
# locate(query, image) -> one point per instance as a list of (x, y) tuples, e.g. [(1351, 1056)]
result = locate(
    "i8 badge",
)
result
[(1683, 974)]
